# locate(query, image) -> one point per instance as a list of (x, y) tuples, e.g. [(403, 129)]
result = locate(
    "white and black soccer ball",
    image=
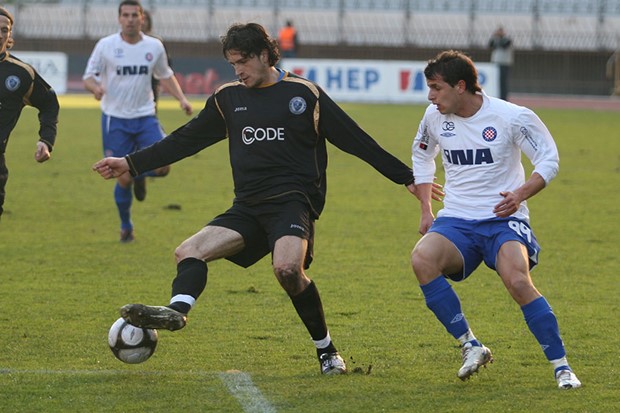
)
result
[(131, 344)]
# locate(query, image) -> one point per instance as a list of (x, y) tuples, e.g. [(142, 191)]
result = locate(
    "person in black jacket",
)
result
[(21, 85), (277, 125)]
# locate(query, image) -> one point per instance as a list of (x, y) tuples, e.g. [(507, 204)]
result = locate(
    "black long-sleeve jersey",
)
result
[(277, 141), (21, 85)]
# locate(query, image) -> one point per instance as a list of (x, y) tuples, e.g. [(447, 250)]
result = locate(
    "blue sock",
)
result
[(123, 198), (543, 324), (443, 301)]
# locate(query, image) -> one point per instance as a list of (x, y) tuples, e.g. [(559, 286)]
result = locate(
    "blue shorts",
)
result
[(481, 240), (124, 136)]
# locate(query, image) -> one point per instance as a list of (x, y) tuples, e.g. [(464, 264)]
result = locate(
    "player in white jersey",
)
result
[(485, 218), (118, 74)]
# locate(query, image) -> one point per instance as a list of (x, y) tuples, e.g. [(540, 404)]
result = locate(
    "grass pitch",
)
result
[(64, 275)]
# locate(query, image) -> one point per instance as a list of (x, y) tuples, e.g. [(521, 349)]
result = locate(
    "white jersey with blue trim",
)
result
[(125, 72), (481, 155)]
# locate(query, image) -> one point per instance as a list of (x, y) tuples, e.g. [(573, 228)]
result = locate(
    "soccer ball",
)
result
[(131, 344)]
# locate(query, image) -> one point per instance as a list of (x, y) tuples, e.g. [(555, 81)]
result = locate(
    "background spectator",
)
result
[(501, 54)]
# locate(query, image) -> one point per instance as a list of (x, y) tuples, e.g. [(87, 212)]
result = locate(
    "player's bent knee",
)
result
[(290, 277), (521, 289), (286, 271), (419, 260), (424, 267), (184, 251), (163, 171)]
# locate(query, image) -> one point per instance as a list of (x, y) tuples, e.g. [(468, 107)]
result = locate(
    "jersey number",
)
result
[(521, 229)]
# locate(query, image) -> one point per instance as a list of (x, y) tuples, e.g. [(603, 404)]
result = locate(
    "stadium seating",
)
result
[(533, 24)]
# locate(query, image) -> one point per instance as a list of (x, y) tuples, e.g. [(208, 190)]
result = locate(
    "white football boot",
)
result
[(566, 379), (473, 358), (332, 363)]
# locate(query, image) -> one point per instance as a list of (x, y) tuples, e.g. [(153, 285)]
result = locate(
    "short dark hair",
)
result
[(130, 3), (4, 12), (250, 40), (453, 66)]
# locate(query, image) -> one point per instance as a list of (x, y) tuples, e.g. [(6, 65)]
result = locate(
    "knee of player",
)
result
[(286, 271), (419, 259), (163, 171), (520, 285), (289, 276), (424, 266), (183, 251)]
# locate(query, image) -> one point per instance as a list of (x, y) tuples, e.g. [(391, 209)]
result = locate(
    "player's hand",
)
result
[(436, 191), (426, 220), (187, 107), (508, 206), (98, 92), (110, 167), (43, 153)]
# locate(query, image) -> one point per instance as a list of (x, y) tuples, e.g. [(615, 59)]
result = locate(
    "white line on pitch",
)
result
[(240, 385)]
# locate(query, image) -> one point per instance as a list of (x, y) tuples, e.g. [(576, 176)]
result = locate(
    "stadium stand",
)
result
[(533, 24), (561, 46)]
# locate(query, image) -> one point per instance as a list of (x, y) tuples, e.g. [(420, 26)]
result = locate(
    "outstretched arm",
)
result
[(111, 167)]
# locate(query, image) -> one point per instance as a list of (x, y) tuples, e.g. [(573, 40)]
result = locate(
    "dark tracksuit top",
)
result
[(21, 85), (277, 141)]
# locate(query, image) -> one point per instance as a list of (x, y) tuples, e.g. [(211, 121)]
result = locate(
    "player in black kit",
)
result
[(21, 85), (277, 125)]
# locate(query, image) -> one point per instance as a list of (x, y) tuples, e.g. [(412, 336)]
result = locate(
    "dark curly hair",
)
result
[(250, 40), (453, 66)]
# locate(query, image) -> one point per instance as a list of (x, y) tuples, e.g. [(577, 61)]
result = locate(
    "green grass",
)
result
[(64, 274)]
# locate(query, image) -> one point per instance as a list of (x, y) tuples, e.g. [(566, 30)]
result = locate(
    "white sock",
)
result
[(323, 343), (184, 298), (559, 363), (468, 336)]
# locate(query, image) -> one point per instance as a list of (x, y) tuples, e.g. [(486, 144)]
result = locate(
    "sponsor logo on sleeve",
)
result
[(528, 137)]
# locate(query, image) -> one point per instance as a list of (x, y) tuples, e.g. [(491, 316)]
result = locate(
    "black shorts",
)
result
[(261, 225)]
